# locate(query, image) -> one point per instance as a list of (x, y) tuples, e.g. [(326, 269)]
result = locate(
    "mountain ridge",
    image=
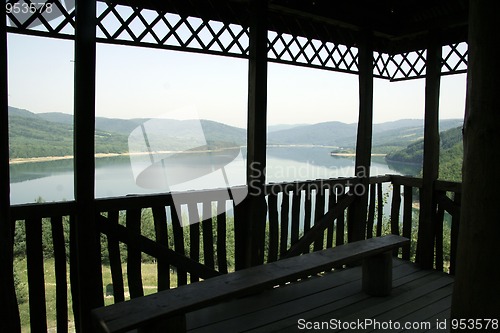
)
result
[(38, 134)]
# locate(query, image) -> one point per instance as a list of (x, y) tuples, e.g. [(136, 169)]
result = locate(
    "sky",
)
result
[(135, 82)]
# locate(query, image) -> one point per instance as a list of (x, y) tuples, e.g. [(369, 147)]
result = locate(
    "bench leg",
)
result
[(377, 274)]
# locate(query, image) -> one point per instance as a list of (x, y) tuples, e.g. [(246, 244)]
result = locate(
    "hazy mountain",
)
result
[(47, 134), (21, 113), (280, 127), (179, 129), (56, 117), (397, 124), (386, 135), (122, 126), (169, 134), (326, 134)]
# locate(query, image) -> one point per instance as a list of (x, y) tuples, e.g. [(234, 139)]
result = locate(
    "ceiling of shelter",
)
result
[(397, 25), (390, 18)]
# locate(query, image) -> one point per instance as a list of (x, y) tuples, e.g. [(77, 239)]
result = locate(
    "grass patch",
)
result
[(149, 280)]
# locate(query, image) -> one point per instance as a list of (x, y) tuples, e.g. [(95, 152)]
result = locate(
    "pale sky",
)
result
[(143, 83)]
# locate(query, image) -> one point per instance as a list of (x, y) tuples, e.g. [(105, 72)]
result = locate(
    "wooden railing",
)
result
[(35, 226), (307, 216), (199, 242), (447, 198)]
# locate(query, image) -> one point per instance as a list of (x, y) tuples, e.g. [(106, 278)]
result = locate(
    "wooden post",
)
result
[(9, 316), (454, 232), (87, 235), (358, 210), (255, 205), (425, 252), (476, 288)]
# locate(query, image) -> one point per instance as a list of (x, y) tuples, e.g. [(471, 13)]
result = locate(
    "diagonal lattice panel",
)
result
[(129, 25), (117, 23), (454, 58), (44, 17), (408, 65), (382, 64), (286, 48)]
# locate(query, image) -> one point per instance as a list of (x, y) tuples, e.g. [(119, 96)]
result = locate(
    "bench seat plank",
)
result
[(122, 317)]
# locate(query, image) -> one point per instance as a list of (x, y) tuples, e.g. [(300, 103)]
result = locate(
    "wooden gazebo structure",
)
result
[(392, 40)]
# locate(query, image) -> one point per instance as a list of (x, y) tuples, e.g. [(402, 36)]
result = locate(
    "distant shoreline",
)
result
[(23, 160), (353, 154)]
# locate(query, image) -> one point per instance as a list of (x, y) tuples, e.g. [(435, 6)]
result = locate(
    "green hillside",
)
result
[(35, 137), (450, 158), (51, 134), (120, 126), (452, 152)]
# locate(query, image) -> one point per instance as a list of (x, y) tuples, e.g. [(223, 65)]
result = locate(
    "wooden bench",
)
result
[(166, 309)]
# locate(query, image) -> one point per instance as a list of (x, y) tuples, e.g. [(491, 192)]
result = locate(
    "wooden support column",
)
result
[(476, 288), (9, 316), (358, 210), (252, 231), (87, 235), (425, 253)]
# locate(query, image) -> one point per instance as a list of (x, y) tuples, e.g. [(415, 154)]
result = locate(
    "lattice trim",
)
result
[(138, 26), (53, 17), (408, 65), (382, 65), (455, 58), (134, 26), (285, 48)]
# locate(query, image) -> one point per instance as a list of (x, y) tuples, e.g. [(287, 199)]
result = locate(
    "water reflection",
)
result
[(53, 180)]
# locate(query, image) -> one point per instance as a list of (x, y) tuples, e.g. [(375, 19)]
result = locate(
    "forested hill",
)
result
[(51, 134), (32, 136), (450, 157)]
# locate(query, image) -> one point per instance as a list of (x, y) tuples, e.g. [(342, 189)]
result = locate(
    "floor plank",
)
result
[(443, 317), (343, 305), (418, 295), (344, 310), (421, 316), (282, 302), (253, 303)]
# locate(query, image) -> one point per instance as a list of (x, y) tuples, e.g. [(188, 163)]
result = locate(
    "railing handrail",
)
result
[(48, 209), (63, 208), (43, 209)]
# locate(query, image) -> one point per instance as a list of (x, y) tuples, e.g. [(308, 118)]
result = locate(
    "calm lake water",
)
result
[(117, 176)]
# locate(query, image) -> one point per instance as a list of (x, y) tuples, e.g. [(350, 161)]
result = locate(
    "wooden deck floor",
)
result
[(417, 296)]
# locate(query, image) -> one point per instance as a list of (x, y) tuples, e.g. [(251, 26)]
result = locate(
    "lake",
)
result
[(120, 175)]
